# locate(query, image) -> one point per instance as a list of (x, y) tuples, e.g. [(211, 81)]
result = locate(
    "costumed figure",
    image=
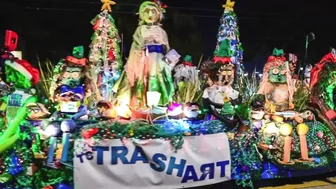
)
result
[(277, 84), (22, 76), (36, 114), (323, 89), (186, 72), (257, 113), (188, 86), (148, 70), (220, 98), (292, 61), (105, 54), (71, 85)]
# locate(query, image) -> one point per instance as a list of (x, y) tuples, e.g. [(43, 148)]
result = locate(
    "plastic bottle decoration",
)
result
[(286, 130), (302, 130), (307, 73), (73, 85), (146, 68), (277, 84), (22, 75)]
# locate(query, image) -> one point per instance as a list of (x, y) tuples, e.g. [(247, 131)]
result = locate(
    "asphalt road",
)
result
[(327, 181)]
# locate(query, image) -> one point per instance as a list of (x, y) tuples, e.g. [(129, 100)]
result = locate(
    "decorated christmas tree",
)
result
[(229, 30), (104, 53)]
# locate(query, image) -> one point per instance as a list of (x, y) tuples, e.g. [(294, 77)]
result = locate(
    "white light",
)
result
[(260, 75), (301, 68), (153, 98), (246, 74)]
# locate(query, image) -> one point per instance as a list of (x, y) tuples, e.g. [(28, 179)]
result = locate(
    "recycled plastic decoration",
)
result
[(104, 55)]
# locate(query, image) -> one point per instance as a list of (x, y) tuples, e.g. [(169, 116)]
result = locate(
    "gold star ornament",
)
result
[(107, 5), (229, 5)]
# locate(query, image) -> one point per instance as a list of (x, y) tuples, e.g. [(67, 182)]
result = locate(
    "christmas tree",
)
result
[(229, 30), (104, 53)]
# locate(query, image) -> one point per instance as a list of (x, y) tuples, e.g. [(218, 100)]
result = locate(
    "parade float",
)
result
[(158, 122)]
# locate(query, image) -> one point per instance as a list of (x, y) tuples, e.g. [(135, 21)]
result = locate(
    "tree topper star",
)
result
[(229, 5), (107, 5)]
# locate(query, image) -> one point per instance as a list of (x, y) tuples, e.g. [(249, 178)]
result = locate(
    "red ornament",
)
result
[(86, 134), (97, 24), (48, 187), (111, 55)]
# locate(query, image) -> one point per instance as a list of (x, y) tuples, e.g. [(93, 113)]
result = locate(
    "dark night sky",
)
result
[(50, 28)]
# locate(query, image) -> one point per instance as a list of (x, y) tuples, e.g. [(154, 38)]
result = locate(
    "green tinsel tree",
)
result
[(229, 30), (104, 55)]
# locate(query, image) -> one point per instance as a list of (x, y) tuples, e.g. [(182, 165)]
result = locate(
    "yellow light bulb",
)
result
[(302, 129), (286, 129)]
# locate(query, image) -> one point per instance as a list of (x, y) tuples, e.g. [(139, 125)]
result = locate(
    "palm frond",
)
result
[(46, 71)]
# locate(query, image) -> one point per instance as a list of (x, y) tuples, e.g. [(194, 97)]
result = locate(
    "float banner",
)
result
[(152, 164)]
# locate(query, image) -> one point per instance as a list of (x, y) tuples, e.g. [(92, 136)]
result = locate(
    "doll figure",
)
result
[(186, 72), (257, 113), (147, 69), (71, 85), (323, 85), (22, 76), (223, 77), (277, 84), (187, 82), (36, 113), (220, 97)]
